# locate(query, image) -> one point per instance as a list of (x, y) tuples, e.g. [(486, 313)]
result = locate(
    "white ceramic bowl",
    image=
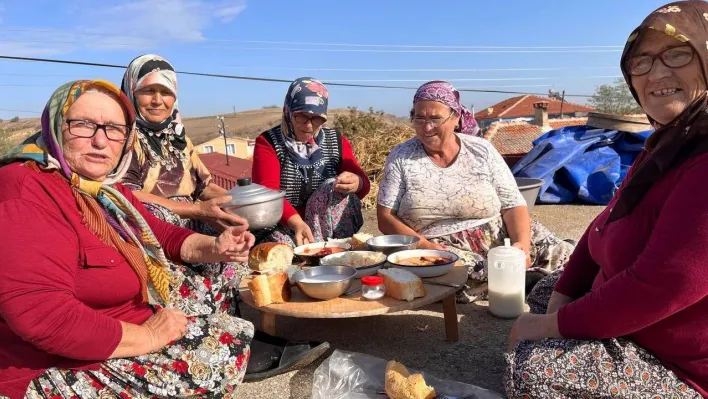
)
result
[(424, 271), (353, 259), (301, 251)]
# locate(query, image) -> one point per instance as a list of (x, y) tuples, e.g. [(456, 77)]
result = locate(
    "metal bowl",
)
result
[(424, 271), (392, 243), (324, 282), (301, 251), (345, 259), (259, 205)]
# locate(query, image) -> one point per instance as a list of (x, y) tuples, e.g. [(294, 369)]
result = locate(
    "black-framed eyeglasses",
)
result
[(315, 120), (436, 122), (674, 57), (88, 129)]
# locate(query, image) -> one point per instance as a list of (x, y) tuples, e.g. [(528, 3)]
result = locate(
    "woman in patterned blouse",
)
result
[(452, 189)]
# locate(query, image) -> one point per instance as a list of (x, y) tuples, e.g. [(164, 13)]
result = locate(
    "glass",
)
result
[(436, 122), (675, 57), (88, 129), (372, 287), (315, 120)]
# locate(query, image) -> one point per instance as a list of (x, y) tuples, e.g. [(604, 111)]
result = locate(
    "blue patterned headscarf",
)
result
[(306, 95)]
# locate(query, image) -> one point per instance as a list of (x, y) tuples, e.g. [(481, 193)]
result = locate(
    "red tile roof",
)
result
[(224, 175), (515, 137), (522, 107)]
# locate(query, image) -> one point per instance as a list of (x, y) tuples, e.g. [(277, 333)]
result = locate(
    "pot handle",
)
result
[(244, 181)]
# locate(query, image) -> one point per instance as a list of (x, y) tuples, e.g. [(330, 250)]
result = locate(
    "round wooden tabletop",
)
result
[(356, 306)]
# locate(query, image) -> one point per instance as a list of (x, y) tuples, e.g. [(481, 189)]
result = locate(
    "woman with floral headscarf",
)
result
[(452, 189), (627, 316), (316, 168), (94, 298)]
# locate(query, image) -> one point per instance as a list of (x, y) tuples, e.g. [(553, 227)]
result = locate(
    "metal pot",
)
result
[(259, 205)]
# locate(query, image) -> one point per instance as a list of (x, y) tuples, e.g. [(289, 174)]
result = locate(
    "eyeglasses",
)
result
[(315, 120), (675, 57), (436, 122), (88, 129)]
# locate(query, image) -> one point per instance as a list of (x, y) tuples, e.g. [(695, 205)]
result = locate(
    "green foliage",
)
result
[(15, 119), (615, 98)]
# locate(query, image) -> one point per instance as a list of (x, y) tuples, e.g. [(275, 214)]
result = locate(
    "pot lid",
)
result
[(248, 193)]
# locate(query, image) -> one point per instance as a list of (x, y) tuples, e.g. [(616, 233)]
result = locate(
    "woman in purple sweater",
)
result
[(628, 316)]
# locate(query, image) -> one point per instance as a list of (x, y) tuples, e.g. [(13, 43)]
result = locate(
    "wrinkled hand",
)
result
[(533, 327), (164, 327), (347, 183), (526, 247), (211, 211), (303, 234), (234, 243)]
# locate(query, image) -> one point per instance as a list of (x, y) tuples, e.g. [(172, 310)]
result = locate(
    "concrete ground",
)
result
[(416, 338)]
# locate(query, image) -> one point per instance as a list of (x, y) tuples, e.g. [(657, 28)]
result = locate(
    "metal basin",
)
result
[(353, 259), (424, 271), (392, 243), (259, 215), (324, 282), (529, 189)]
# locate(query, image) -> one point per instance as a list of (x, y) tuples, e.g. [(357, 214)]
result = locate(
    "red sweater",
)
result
[(266, 172), (62, 291), (645, 276)]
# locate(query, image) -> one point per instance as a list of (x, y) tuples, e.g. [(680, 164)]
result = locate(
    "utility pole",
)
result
[(562, 101), (234, 110), (222, 131)]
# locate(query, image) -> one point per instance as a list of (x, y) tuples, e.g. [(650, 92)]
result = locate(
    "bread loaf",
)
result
[(399, 384), (271, 288), (270, 256), (401, 284), (359, 241)]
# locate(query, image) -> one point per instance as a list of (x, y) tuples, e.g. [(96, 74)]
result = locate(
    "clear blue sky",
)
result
[(210, 36)]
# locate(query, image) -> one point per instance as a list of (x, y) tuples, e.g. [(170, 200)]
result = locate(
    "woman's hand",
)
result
[(211, 211), (348, 183), (233, 244), (301, 231), (425, 244), (557, 301), (526, 247), (533, 327), (164, 327)]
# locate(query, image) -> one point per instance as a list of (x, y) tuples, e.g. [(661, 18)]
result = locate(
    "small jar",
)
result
[(372, 287)]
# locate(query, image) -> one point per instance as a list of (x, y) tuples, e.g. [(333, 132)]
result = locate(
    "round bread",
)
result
[(270, 256)]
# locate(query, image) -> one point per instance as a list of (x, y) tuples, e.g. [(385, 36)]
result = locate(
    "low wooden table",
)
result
[(354, 305)]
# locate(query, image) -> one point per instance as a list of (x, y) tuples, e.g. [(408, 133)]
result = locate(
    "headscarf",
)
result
[(687, 135), (107, 212), (445, 93), (309, 96), (146, 70)]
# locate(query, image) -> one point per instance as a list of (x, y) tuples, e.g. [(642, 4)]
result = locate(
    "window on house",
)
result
[(231, 149), (208, 149)]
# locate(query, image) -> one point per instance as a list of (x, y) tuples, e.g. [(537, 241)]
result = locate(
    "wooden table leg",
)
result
[(268, 323), (450, 314)]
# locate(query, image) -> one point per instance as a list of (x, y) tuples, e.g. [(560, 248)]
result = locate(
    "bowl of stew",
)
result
[(424, 262), (311, 254)]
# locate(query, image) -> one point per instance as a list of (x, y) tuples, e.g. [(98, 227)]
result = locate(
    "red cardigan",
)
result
[(645, 276), (266, 172), (62, 291)]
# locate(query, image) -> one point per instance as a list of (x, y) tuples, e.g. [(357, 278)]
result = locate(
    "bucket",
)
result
[(529, 189)]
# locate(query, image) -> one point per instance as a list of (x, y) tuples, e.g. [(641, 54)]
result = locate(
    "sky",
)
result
[(517, 45)]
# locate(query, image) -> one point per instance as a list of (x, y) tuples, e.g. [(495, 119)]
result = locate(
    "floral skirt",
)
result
[(548, 252), (209, 361), (567, 368), (329, 214)]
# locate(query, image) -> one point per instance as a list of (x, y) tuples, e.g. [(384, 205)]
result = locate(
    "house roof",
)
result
[(522, 106), (515, 137), (225, 175)]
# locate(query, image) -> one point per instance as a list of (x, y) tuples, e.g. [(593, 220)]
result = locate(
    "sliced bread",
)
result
[(401, 284), (268, 289), (270, 256), (359, 241), (399, 384)]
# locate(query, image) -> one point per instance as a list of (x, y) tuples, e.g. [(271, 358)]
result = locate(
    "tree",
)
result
[(615, 98), (5, 144)]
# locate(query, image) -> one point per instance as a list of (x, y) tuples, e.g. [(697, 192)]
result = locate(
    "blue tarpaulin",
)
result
[(580, 163)]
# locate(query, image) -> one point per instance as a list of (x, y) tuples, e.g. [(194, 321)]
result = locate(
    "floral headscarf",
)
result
[(687, 135), (445, 93)]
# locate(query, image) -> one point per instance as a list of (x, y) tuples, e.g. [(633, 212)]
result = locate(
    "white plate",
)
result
[(424, 271)]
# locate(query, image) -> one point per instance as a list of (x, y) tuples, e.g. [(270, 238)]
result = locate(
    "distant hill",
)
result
[(246, 124)]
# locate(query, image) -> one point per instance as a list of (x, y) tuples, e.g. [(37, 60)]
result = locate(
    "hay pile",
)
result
[(372, 138)]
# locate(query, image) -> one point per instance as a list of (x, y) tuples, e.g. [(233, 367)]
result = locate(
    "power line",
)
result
[(313, 43), (324, 50), (419, 70), (56, 61), (20, 111)]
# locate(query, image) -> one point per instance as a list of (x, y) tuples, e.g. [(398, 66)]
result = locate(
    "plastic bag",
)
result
[(358, 376)]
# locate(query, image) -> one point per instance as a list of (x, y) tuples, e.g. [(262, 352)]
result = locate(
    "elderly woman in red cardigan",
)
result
[(95, 299), (628, 317), (316, 168)]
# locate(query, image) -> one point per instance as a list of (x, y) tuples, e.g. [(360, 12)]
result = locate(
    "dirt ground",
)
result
[(416, 338)]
